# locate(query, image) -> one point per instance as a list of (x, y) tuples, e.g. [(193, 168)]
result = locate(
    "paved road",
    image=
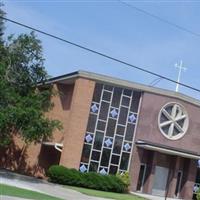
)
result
[(42, 186)]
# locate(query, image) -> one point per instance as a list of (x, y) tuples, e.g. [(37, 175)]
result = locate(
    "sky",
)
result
[(118, 30)]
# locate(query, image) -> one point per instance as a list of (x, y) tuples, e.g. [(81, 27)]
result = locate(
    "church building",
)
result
[(112, 125)]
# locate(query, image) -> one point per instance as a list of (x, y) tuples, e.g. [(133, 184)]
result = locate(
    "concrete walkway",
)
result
[(41, 186), (11, 198), (151, 197)]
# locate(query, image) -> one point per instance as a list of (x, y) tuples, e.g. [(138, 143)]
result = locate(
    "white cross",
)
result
[(180, 67)]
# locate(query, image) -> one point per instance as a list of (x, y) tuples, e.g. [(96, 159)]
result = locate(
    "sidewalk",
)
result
[(151, 197), (11, 198), (41, 186)]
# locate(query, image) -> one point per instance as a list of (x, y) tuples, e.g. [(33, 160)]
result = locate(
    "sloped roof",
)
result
[(123, 83)]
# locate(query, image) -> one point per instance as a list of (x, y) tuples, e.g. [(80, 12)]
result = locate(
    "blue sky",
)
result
[(119, 31)]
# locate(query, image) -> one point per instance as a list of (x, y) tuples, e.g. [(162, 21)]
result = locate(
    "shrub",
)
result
[(103, 182), (62, 175), (124, 177), (198, 195), (92, 180)]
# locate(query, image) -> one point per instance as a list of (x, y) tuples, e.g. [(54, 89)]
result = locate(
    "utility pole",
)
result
[(180, 67)]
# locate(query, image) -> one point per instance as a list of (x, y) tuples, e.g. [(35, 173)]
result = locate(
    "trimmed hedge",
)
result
[(92, 180)]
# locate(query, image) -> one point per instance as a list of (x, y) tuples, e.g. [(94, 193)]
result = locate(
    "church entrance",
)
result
[(160, 181), (141, 178), (167, 172)]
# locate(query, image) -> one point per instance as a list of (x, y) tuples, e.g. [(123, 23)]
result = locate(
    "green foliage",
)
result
[(26, 62), (2, 27), (124, 177), (22, 102), (92, 180), (198, 195), (62, 175)]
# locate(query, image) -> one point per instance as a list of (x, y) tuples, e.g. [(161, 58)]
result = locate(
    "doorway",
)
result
[(178, 183), (141, 178), (160, 181)]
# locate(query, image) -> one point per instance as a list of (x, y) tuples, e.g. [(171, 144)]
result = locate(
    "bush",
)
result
[(62, 175), (124, 177), (92, 180), (103, 182), (198, 195)]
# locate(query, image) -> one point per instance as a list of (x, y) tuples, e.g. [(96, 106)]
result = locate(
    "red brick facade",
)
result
[(72, 108), (77, 122)]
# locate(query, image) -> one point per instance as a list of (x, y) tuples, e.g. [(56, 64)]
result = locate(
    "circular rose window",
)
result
[(173, 121)]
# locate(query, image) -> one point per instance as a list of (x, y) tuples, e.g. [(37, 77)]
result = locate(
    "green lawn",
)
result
[(110, 195), (23, 193)]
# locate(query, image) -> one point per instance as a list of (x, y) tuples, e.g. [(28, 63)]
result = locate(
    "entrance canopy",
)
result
[(57, 146), (167, 150)]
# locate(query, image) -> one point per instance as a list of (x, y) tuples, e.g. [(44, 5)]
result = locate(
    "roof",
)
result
[(167, 150), (123, 83)]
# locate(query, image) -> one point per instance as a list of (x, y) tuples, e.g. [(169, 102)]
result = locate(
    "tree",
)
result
[(24, 96), (2, 13)]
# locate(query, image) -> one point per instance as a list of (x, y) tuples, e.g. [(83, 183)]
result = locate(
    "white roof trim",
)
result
[(147, 146), (124, 83)]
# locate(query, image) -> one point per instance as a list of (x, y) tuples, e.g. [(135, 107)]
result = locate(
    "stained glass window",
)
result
[(104, 110), (105, 157), (86, 153), (91, 123), (125, 101), (118, 145), (106, 96), (120, 130), (111, 127), (98, 141), (110, 132), (93, 166), (101, 125), (115, 159), (113, 169), (95, 155), (123, 115)]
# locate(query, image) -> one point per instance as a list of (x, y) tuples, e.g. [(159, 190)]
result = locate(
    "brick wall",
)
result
[(77, 123)]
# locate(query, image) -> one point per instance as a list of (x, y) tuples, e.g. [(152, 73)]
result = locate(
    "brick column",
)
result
[(175, 166), (150, 165), (77, 123), (150, 180), (135, 167), (189, 184)]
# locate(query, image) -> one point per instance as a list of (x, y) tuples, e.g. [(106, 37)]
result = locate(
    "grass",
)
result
[(23, 193), (110, 195)]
